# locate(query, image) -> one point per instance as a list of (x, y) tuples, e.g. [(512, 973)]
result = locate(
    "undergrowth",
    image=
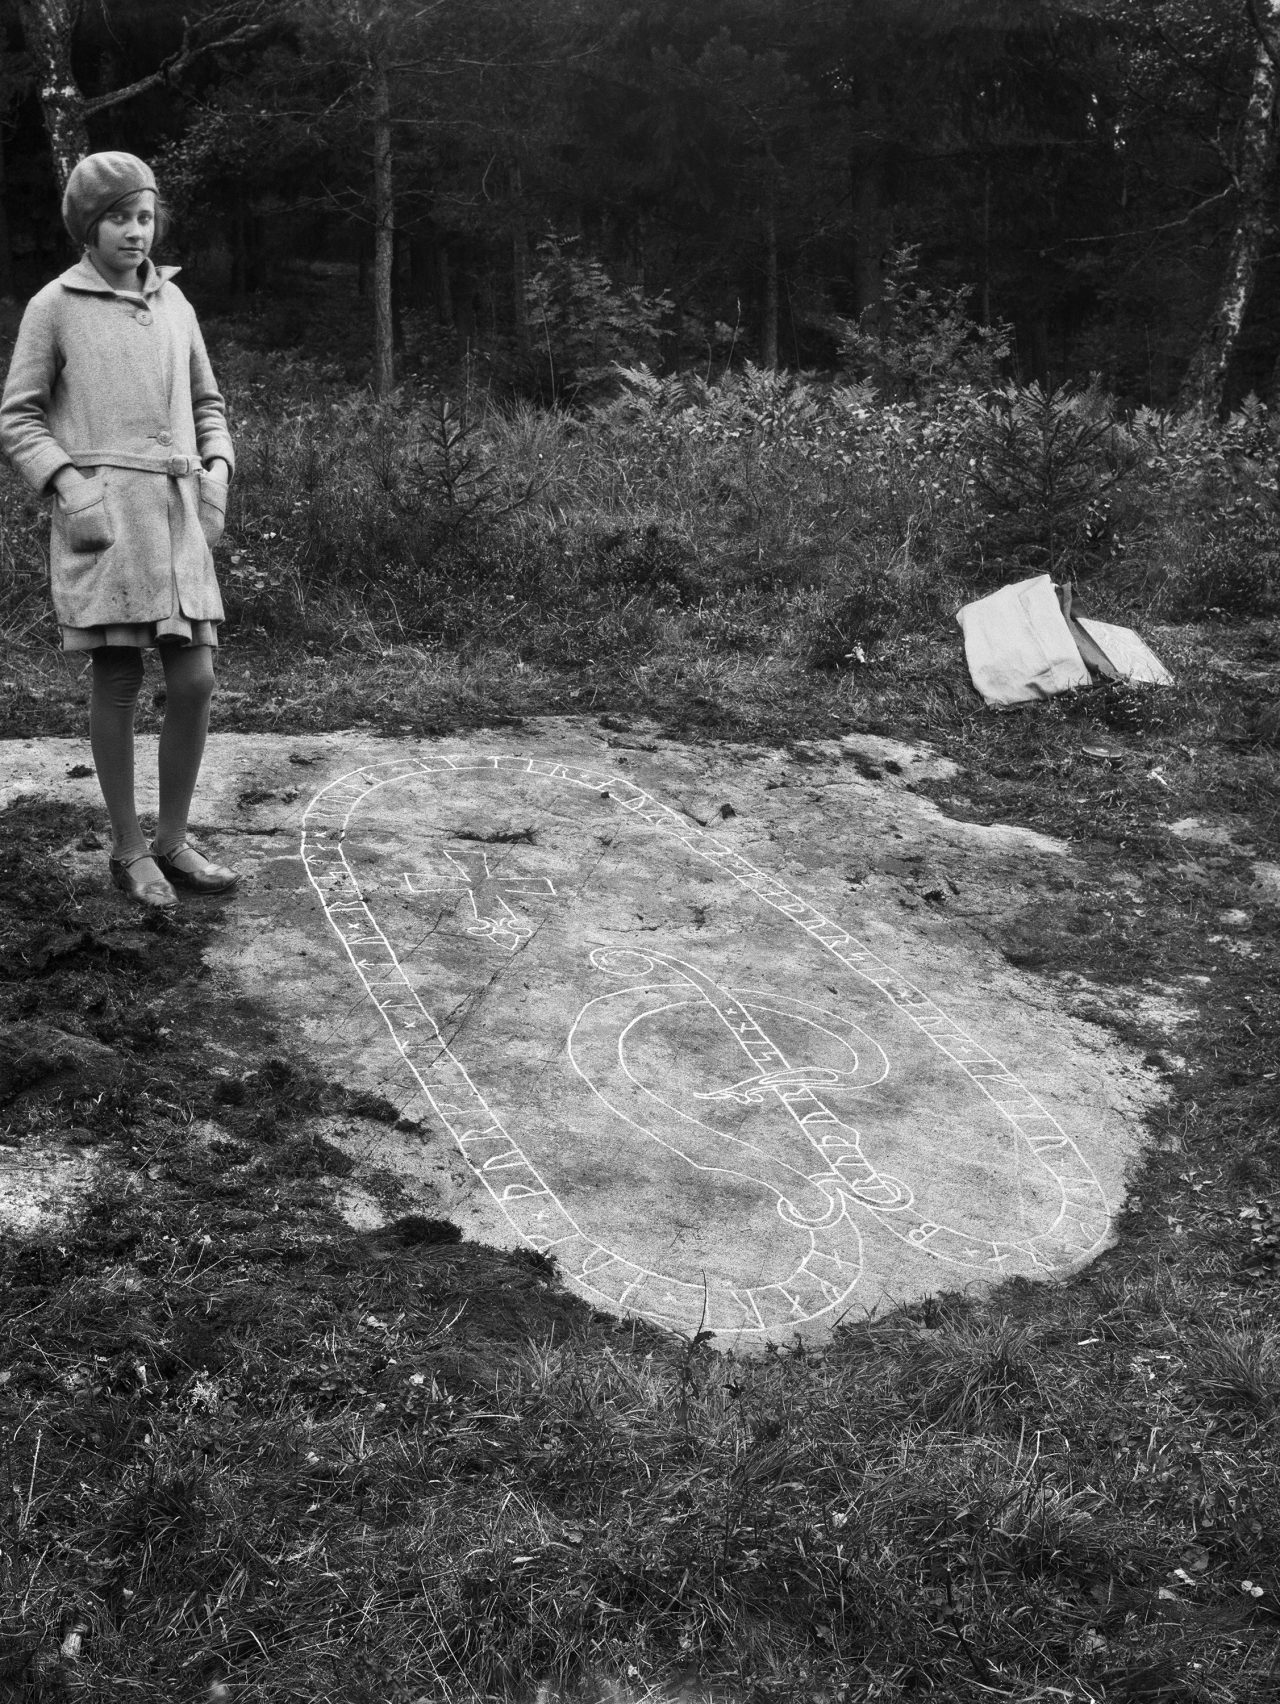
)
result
[(765, 512)]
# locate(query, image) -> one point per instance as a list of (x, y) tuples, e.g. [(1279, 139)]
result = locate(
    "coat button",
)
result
[(142, 317), (164, 437)]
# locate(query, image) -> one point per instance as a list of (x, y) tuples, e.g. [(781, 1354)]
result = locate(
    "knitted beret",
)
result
[(97, 183)]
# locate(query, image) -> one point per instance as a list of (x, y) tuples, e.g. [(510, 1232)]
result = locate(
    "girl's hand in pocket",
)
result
[(82, 512), (67, 482)]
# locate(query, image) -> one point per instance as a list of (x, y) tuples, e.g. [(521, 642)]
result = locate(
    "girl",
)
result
[(111, 405)]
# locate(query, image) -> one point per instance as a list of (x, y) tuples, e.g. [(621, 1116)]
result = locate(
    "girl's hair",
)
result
[(163, 220)]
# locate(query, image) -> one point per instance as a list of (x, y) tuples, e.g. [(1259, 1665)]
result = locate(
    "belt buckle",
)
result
[(179, 465)]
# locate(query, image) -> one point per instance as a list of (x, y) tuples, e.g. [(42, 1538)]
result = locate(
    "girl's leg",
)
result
[(117, 679), (188, 677)]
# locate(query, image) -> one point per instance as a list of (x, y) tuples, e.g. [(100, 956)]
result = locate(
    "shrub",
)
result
[(1045, 464), (1231, 578), (919, 342), (581, 322), (1212, 503)]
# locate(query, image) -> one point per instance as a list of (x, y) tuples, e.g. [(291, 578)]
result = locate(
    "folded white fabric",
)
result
[(1018, 645), (1129, 655)]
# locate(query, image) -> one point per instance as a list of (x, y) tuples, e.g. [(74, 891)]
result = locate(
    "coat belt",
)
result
[(177, 467)]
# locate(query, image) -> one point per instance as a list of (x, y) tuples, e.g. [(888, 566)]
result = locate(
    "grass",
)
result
[(256, 1455), (254, 1448)]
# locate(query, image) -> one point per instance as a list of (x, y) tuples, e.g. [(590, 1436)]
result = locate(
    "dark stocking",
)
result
[(117, 679), (188, 678)]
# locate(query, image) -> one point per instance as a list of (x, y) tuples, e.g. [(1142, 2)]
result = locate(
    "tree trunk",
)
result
[(240, 264), (869, 235), (519, 263), (466, 311), (46, 29), (401, 275), (384, 234), (442, 284), (1205, 382), (433, 286), (6, 246), (420, 288), (769, 328)]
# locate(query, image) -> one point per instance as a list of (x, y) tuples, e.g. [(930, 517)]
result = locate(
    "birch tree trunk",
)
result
[(46, 30), (1204, 384), (384, 233)]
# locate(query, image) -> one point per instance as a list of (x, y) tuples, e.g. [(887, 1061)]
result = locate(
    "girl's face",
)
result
[(124, 237)]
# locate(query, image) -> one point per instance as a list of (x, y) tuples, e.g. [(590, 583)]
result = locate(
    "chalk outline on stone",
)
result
[(842, 1175), (824, 1279), (508, 930)]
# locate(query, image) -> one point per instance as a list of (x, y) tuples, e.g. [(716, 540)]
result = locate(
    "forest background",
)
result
[(552, 184)]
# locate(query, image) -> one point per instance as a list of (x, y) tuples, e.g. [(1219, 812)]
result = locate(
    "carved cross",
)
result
[(468, 874)]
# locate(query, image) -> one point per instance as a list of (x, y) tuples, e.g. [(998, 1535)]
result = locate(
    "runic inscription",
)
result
[(750, 1124)]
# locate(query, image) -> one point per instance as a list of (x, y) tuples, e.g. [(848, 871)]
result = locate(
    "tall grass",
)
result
[(766, 513)]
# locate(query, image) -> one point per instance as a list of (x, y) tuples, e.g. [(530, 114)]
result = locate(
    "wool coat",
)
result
[(119, 385)]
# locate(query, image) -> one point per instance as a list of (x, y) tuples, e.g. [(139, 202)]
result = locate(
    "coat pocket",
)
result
[(83, 520), (213, 508)]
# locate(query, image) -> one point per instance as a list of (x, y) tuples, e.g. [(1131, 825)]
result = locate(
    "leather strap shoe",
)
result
[(155, 894), (205, 878)]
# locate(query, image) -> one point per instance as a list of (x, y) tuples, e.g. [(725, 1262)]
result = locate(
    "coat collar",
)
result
[(84, 275)]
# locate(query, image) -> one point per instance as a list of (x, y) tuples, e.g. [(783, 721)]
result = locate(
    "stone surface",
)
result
[(723, 1030)]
